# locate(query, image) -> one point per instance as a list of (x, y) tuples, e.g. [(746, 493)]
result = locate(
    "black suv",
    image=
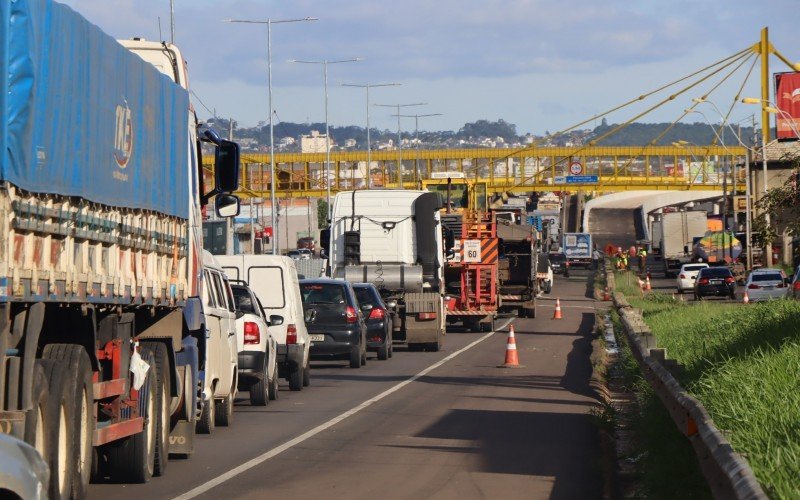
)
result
[(334, 321), (716, 281)]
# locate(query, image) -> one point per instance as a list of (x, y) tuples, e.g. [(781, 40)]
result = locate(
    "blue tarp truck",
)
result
[(102, 335)]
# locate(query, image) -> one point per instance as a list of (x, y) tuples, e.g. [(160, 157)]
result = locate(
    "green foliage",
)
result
[(743, 364), (485, 128), (782, 203), (322, 213)]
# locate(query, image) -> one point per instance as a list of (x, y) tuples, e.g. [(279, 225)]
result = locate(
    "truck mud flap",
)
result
[(181, 438)]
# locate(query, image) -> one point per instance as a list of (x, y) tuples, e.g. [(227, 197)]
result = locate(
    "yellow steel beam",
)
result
[(618, 168)]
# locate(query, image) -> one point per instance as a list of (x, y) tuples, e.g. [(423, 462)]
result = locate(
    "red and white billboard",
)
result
[(787, 98)]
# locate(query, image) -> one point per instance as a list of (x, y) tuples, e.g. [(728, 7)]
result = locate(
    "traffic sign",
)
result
[(472, 251), (582, 179), (575, 168)]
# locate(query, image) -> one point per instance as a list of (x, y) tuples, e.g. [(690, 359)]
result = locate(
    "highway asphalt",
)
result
[(420, 425)]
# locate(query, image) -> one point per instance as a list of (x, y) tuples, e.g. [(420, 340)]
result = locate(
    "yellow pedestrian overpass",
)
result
[(567, 169)]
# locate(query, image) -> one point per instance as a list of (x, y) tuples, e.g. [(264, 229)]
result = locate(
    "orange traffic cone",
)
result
[(647, 283), (746, 298), (557, 314), (512, 360)]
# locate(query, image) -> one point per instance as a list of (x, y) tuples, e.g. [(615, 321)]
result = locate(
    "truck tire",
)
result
[(79, 377), (296, 378), (60, 422), (133, 459), (259, 391), (355, 358), (159, 352), (205, 424), (224, 410), (307, 374), (37, 424), (383, 351), (273, 386), (433, 346)]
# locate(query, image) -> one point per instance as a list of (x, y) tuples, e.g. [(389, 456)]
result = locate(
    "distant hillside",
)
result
[(484, 133)]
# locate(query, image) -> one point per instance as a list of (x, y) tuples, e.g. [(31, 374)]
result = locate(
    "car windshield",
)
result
[(322, 293), (293, 253), (716, 272), (693, 268), (365, 296), (766, 277), (243, 300)]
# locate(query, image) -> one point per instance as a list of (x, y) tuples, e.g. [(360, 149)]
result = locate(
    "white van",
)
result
[(273, 278), (219, 355)]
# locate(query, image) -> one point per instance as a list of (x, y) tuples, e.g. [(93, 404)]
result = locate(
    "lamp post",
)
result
[(368, 86), (269, 22), (416, 140), (325, 63), (399, 140)]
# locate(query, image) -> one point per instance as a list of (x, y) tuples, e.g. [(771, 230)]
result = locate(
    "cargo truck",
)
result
[(102, 331), (578, 249), (676, 232), (393, 239)]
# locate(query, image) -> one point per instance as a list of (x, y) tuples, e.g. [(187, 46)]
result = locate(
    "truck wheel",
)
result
[(364, 354), (259, 391), (433, 346), (205, 425), (79, 378), (37, 425), (521, 311), (162, 374), (60, 422), (548, 287), (296, 378), (355, 358), (224, 409), (307, 374), (133, 459), (273, 386)]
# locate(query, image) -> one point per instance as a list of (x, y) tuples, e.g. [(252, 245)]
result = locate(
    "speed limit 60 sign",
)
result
[(472, 251)]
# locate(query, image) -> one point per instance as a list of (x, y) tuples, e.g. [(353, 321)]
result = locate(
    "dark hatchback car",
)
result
[(558, 262), (334, 321), (378, 320), (715, 281)]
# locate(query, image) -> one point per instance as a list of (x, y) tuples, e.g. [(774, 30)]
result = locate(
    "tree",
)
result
[(322, 213), (782, 204)]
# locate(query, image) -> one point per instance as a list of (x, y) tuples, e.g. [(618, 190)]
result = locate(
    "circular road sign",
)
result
[(575, 168)]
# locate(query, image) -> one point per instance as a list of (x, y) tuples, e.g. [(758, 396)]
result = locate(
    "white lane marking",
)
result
[(199, 490)]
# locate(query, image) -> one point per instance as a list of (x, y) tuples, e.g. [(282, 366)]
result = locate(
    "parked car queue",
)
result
[(762, 284)]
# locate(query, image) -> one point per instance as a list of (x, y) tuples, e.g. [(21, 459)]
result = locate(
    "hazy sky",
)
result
[(540, 64)]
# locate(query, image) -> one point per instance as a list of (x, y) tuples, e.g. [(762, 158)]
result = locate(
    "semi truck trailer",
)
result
[(102, 331)]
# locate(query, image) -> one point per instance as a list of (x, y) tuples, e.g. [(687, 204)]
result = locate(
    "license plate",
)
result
[(317, 338), (769, 287), (716, 282)]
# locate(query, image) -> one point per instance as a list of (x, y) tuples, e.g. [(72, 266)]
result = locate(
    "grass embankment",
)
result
[(743, 364)]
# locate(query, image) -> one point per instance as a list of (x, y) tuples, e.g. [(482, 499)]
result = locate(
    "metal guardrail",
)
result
[(727, 473)]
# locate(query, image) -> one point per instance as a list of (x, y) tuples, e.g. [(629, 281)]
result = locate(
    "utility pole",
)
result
[(399, 140)]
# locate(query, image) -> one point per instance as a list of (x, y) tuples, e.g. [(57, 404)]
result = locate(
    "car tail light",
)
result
[(377, 313), (251, 333), (291, 334), (796, 286), (729, 279), (682, 276), (350, 315), (753, 286), (702, 281)]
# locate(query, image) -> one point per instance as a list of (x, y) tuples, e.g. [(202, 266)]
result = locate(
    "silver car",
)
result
[(765, 284), (22, 469)]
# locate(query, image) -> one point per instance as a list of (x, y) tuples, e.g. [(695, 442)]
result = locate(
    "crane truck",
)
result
[(102, 331), (393, 239)]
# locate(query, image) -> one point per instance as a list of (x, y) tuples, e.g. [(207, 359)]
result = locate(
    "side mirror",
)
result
[(227, 205), (449, 241), (325, 241), (275, 320), (226, 167), (310, 315)]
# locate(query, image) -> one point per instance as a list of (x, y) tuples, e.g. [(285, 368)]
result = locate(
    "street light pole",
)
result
[(325, 64), (416, 140), (399, 138), (367, 86), (269, 22)]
